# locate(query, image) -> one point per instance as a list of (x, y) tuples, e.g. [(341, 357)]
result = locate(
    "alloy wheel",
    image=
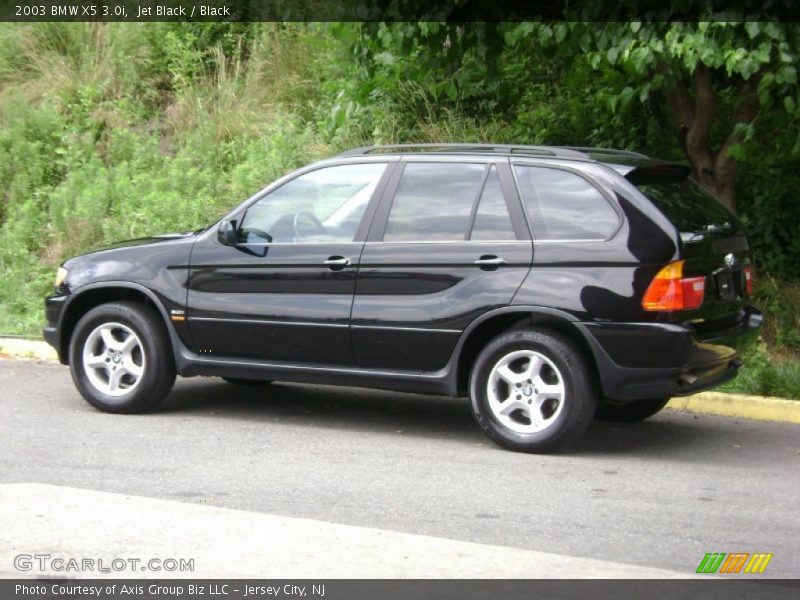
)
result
[(526, 391), (113, 359)]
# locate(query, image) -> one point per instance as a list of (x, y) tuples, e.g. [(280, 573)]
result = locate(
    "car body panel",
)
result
[(402, 315), (246, 305)]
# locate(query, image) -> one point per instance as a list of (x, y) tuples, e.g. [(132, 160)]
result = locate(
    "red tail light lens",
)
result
[(670, 290), (694, 290), (748, 279)]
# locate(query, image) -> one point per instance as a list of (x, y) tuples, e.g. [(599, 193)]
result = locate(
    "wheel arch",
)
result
[(93, 295), (490, 325)]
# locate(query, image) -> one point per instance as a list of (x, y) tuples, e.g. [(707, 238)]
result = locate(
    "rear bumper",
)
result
[(658, 360)]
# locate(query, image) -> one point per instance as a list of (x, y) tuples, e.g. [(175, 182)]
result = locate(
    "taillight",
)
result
[(670, 290), (748, 279)]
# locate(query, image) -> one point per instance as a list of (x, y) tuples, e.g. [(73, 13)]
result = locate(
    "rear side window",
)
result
[(565, 206), (433, 202), (688, 206)]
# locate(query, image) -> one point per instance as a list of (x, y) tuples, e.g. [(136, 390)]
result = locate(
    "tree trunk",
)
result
[(694, 113)]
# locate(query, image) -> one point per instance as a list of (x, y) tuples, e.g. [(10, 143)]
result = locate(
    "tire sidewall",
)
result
[(578, 393), (152, 346)]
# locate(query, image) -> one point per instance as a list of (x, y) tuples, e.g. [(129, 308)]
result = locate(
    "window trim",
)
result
[(603, 193), (476, 206), (473, 212)]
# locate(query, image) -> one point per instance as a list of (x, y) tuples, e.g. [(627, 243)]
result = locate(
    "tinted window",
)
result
[(492, 221), (325, 205), (690, 208), (564, 206), (433, 202)]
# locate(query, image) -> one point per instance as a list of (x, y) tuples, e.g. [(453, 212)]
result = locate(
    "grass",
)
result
[(116, 131), (767, 375)]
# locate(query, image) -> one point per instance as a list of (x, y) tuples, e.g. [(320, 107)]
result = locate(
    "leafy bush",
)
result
[(780, 300), (765, 374)]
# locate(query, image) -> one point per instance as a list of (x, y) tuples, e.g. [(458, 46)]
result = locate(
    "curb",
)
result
[(762, 408), (30, 349)]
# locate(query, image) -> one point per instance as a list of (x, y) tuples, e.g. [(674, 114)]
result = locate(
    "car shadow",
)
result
[(668, 435), (327, 407)]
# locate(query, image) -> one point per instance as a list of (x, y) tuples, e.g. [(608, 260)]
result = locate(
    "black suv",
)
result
[(549, 284)]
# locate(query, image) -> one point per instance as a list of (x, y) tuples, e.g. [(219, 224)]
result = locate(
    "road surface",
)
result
[(659, 494)]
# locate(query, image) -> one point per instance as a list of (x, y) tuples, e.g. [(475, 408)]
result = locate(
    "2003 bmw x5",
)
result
[(548, 284)]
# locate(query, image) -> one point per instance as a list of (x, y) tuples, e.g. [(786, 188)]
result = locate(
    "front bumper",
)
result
[(53, 309), (657, 360)]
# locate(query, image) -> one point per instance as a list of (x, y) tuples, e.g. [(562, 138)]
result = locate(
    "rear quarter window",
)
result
[(689, 207), (564, 206)]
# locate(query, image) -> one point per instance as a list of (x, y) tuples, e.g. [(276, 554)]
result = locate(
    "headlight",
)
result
[(61, 275)]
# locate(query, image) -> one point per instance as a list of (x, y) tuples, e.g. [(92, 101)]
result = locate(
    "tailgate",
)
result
[(713, 241)]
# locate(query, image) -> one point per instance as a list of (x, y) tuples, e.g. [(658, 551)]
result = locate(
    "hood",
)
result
[(145, 241), (140, 260)]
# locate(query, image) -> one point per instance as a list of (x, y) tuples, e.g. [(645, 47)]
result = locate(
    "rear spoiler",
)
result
[(658, 172)]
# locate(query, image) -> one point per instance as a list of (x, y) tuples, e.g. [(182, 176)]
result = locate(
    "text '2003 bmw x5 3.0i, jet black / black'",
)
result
[(548, 284)]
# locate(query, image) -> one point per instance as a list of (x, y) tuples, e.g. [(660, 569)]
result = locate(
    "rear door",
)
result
[(713, 241), (448, 243)]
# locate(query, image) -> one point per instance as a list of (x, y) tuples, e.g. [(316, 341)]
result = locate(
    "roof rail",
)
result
[(588, 150), (459, 148)]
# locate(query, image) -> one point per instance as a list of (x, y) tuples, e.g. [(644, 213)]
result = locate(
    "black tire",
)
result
[(153, 352), (579, 400), (247, 382), (632, 412)]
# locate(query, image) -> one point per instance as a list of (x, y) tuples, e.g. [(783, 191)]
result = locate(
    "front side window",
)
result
[(433, 202), (565, 206), (325, 205)]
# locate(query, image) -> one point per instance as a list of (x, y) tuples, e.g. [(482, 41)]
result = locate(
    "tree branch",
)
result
[(746, 111), (680, 105), (724, 164), (705, 110)]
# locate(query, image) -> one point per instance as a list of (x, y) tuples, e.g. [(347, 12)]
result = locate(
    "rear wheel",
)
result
[(120, 358), (632, 412), (247, 382), (532, 391)]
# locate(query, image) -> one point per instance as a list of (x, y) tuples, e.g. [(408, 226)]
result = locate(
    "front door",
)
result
[(284, 291)]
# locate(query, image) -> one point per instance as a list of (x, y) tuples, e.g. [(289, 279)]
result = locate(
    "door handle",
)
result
[(490, 261), (337, 262)]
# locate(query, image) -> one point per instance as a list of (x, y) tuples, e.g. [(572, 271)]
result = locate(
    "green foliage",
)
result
[(764, 374), (780, 299), (94, 149), (769, 176)]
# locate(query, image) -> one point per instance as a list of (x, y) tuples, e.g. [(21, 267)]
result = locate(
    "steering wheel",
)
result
[(311, 217)]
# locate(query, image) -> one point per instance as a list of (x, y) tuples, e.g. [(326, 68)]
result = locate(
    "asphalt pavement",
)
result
[(658, 494)]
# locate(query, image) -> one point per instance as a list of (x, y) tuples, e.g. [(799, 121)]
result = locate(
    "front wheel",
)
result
[(532, 390), (632, 412), (120, 358)]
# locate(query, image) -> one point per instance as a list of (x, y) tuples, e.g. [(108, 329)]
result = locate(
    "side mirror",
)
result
[(226, 233)]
